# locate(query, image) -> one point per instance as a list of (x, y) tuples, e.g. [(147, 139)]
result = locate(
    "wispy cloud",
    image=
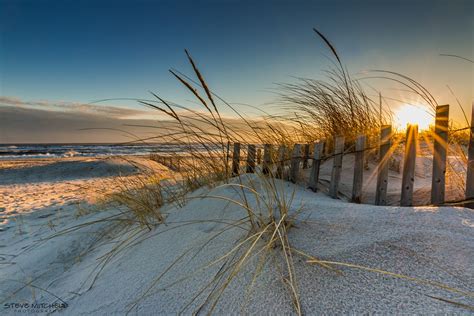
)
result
[(85, 108), (10, 100), (23, 124), (44, 121)]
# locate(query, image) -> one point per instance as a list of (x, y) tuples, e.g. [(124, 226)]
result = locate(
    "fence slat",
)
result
[(305, 156), (250, 159), (358, 169), (281, 162), (267, 156), (337, 166), (226, 160), (328, 145), (382, 168), (317, 156), (295, 163), (409, 159), (439, 155), (470, 164), (236, 160), (259, 156)]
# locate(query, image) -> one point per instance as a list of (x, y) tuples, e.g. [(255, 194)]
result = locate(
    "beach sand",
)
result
[(33, 185), (43, 197)]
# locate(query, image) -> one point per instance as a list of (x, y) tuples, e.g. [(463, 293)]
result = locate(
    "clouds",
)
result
[(77, 107), (70, 122), (10, 100)]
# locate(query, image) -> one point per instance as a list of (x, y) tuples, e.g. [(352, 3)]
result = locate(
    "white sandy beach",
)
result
[(41, 198)]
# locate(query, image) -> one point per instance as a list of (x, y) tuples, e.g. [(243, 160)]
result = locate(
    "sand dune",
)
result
[(50, 185), (55, 170), (429, 243)]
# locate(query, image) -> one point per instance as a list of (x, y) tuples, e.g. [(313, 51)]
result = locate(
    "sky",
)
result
[(59, 56)]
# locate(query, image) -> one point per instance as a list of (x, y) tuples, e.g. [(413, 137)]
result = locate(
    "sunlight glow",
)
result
[(411, 114)]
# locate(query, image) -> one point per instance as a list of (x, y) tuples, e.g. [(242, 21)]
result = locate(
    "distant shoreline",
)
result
[(39, 151)]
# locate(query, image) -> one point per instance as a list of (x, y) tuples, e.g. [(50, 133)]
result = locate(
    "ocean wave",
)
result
[(87, 150)]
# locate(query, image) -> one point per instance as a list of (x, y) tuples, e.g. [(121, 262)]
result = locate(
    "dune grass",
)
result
[(143, 197), (335, 106)]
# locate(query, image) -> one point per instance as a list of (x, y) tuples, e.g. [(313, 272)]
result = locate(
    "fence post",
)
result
[(470, 164), (259, 156), (314, 176), (337, 166), (382, 168), (439, 155), (328, 143), (281, 162), (236, 160), (226, 159), (409, 161), (295, 163), (358, 169), (250, 159), (305, 156), (267, 156)]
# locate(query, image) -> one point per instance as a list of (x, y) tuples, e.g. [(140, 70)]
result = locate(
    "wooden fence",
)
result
[(300, 155)]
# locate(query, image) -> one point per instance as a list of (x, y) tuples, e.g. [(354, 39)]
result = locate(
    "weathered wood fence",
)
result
[(300, 156)]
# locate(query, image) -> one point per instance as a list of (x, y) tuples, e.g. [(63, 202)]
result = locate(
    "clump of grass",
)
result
[(270, 217), (337, 105), (265, 231), (143, 197)]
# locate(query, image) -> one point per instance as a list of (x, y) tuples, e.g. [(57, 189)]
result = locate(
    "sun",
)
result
[(412, 114)]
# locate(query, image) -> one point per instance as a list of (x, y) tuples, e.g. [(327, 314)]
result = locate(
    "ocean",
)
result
[(22, 151)]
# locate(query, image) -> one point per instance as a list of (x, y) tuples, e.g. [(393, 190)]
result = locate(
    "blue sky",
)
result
[(81, 51)]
